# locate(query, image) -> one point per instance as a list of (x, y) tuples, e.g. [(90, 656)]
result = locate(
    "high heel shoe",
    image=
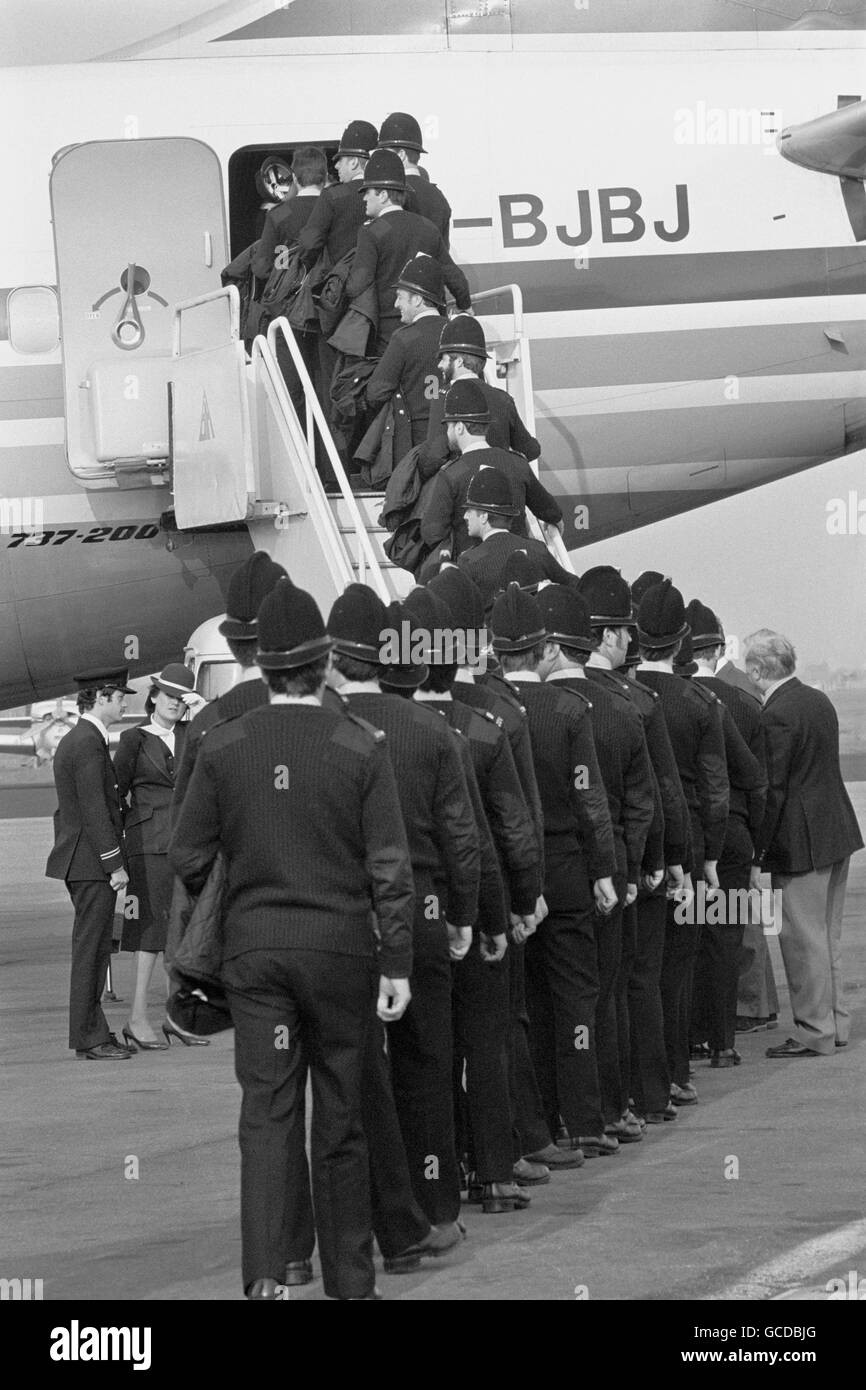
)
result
[(171, 1030), (133, 1042)]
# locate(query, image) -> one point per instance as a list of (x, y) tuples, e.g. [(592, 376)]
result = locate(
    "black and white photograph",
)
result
[(433, 666)]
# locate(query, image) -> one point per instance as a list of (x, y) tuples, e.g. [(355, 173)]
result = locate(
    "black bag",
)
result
[(281, 287)]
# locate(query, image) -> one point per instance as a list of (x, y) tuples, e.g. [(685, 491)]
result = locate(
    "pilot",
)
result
[(462, 354), (467, 416), (88, 855), (402, 134), (409, 361), (392, 239)]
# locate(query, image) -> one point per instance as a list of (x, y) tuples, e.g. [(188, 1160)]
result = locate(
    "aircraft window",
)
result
[(215, 678), (254, 175), (34, 325)]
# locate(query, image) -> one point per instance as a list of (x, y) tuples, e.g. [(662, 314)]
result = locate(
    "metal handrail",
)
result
[(517, 300), (367, 557), (229, 293)]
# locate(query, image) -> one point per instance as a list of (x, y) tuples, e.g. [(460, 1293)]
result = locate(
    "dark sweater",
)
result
[(576, 816), (434, 800), (748, 787), (494, 696), (237, 701), (625, 770), (695, 729), (303, 804)]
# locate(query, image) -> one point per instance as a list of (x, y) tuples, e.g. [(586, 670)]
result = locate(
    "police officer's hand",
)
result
[(652, 881), (522, 927), (541, 911), (605, 895), (755, 878), (119, 879), (493, 948), (630, 894), (394, 997), (459, 941), (676, 878), (711, 873)]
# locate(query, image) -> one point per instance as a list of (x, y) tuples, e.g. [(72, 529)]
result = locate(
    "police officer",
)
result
[(402, 134), (338, 215), (488, 509), (249, 585), (303, 804), (391, 238), (88, 855), (408, 365), (579, 868), (467, 416), (695, 728), (462, 354)]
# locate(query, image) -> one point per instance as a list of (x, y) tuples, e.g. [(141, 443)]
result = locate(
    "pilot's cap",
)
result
[(291, 632), (463, 333), (400, 131), (114, 677), (356, 622), (359, 139), (247, 587), (384, 170)]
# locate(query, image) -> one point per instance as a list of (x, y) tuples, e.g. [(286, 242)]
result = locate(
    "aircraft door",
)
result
[(139, 225)]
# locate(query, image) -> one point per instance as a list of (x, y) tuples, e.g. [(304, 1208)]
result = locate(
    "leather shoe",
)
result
[(841, 1044), (498, 1197), (730, 1057), (683, 1095), (553, 1157), (437, 1241), (109, 1051), (298, 1272), (791, 1048), (263, 1290), (626, 1129), (595, 1145), (529, 1174), (658, 1117)]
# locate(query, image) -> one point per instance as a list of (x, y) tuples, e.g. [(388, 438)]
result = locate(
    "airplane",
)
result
[(659, 205)]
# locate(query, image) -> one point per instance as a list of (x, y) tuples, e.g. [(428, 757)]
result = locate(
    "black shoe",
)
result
[(730, 1057), (171, 1030), (791, 1048), (659, 1117), (698, 1051), (132, 1042), (498, 1197), (407, 1263), (298, 1272), (110, 1051), (263, 1290)]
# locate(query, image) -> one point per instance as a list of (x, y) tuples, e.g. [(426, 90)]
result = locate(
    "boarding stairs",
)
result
[(258, 467)]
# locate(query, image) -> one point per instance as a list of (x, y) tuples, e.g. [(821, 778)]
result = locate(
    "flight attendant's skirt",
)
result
[(147, 903)]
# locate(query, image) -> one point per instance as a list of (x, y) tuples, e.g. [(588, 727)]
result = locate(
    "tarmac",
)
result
[(121, 1182)]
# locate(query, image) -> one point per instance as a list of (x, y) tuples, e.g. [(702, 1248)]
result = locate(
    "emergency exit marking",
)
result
[(205, 429)]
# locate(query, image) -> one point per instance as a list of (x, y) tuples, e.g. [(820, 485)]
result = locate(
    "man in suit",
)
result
[(806, 840), (392, 238), (88, 855), (302, 802), (462, 354), (467, 416), (408, 366), (401, 133), (488, 509), (248, 587)]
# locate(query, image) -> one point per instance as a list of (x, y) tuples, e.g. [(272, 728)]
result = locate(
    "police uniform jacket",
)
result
[(502, 796), (88, 822), (283, 226), (625, 770), (434, 800), (641, 706), (144, 767), (431, 202), (337, 217), (408, 365), (383, 248), (746, 774), (505, 431), (303, 804), (444, 519), (577, 824), (485, 563), (493, 697), (809, 822), (237, 701), (695, 725)]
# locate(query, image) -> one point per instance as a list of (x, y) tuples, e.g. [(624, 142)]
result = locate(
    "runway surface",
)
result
[(120, 1181)]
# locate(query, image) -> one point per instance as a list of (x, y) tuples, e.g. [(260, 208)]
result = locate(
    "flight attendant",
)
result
[(145, 764)]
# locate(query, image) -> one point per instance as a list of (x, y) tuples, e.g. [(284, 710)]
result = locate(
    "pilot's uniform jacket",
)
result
[(88, 848)]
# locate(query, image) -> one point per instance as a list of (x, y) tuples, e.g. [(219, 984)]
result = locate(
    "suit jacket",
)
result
[(408, 365), (145, 774), (88, 824), (732, 675), (505, 431), (384, 247), (283, 226), (444, 520), (809, 822), (431, 202), (485, 563), (337, 217)]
